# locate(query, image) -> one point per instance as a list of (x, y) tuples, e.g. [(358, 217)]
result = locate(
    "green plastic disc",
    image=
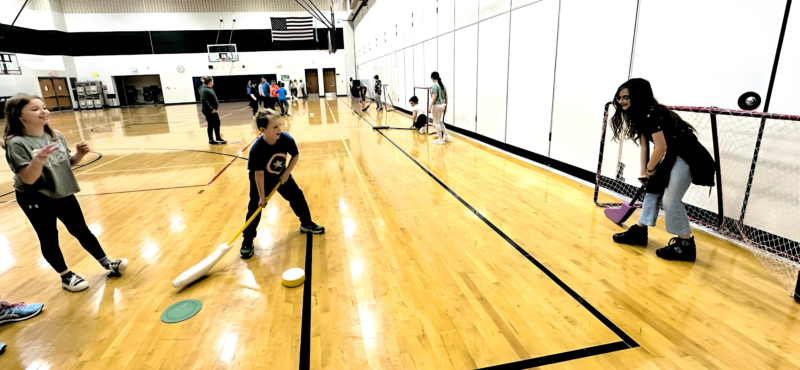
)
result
[(181, 311)]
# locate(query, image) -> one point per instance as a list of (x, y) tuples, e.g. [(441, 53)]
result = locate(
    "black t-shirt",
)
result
[(673, 126), (272, 159)]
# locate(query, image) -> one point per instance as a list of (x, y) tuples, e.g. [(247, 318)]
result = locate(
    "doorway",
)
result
[(312, 80), (139, 90), (55, 93), (329, 78)]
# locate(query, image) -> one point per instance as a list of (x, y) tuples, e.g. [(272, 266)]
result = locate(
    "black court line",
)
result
[(99, 155), (181, 150), (305, 329), (627, 341)]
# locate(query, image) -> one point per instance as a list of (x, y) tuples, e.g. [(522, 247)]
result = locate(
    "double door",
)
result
[(55, 93)]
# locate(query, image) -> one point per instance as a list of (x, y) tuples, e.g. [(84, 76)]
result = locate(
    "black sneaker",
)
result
[(679, 250), (74, 282), (636, 235), (117, 267), (312, 228), (213, 143), (247, 249), (220, 141)]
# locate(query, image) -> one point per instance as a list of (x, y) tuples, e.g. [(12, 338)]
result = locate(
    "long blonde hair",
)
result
[(14, 126)]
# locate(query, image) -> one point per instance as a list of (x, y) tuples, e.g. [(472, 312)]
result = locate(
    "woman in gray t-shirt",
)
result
[(45, 185)]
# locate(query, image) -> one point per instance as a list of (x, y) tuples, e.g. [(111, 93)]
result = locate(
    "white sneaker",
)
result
[(438, 141), (76, 283)]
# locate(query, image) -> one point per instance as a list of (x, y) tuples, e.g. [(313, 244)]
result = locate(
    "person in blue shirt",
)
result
[(282, 100), (269, 162)]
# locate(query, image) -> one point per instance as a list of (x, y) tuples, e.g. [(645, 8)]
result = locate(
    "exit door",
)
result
[(312, 81), (55, 93), (329, 78)]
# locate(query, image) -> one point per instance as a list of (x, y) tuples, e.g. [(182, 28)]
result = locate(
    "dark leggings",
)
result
[(288, 191), (213, 125), (42, 212), (421, 121)]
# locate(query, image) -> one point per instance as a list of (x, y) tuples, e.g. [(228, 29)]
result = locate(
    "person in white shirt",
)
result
[(303, 89), (418, 118), (293, 89)]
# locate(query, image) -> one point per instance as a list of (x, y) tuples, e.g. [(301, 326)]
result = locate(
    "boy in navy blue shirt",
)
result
[(269, 163), (282, 100)]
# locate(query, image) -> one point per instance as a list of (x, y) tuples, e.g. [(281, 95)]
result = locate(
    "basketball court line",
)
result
[(230, 163), (139, 191), (626, 341), (305, 326)]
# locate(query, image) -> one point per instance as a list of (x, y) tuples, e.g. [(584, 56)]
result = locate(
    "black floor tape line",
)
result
[(99, 155), (305, 329), (626, 343)]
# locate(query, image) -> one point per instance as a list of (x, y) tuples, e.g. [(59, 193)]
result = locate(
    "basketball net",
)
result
[(336, 5)]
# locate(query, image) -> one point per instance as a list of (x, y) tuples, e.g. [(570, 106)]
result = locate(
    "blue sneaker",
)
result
[(13, 312), (2, 348)]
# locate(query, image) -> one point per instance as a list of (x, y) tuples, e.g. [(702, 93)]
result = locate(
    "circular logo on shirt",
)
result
[(277, 163)]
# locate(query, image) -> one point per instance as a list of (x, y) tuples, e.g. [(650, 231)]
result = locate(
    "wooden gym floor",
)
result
[(435, 257)]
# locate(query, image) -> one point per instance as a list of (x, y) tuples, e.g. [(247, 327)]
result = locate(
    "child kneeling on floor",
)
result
[(269, 164), (418, 118)]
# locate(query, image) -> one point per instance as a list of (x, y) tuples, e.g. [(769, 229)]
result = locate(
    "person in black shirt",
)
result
[(269, 163), (678, 160), (378, 91)]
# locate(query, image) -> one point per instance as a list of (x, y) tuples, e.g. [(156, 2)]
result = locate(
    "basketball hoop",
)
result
[(336, 5)]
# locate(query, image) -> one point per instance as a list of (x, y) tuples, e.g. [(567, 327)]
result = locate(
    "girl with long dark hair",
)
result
[(437, 107), (45, 186), (677, 161)]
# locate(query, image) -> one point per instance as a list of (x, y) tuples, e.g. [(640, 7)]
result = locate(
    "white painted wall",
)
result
[(786, 92), (531, 73), (591, 65), (493, 37), (711, 48)]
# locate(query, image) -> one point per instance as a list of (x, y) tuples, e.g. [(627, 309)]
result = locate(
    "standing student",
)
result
[(252, 89), (438, 105), (263, 92), (418, 118), (293, 89), (677, 161), (210, 105), (273, 93), (378, 90), (303, 89), (269, 163), (45, 186), (282, 100)]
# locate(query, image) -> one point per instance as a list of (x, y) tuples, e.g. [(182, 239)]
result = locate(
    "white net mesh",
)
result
[(756, 202)]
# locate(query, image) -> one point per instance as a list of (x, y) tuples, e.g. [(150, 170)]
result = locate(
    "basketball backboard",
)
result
[(9, 65), (222, 53)]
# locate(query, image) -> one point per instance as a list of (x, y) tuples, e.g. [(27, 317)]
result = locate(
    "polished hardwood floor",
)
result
[(407, 276)]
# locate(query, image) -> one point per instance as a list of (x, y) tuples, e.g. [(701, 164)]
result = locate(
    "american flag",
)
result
[(293, 29)]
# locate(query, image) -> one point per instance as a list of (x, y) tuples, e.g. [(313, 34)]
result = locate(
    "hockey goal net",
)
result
[(756, 200)]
